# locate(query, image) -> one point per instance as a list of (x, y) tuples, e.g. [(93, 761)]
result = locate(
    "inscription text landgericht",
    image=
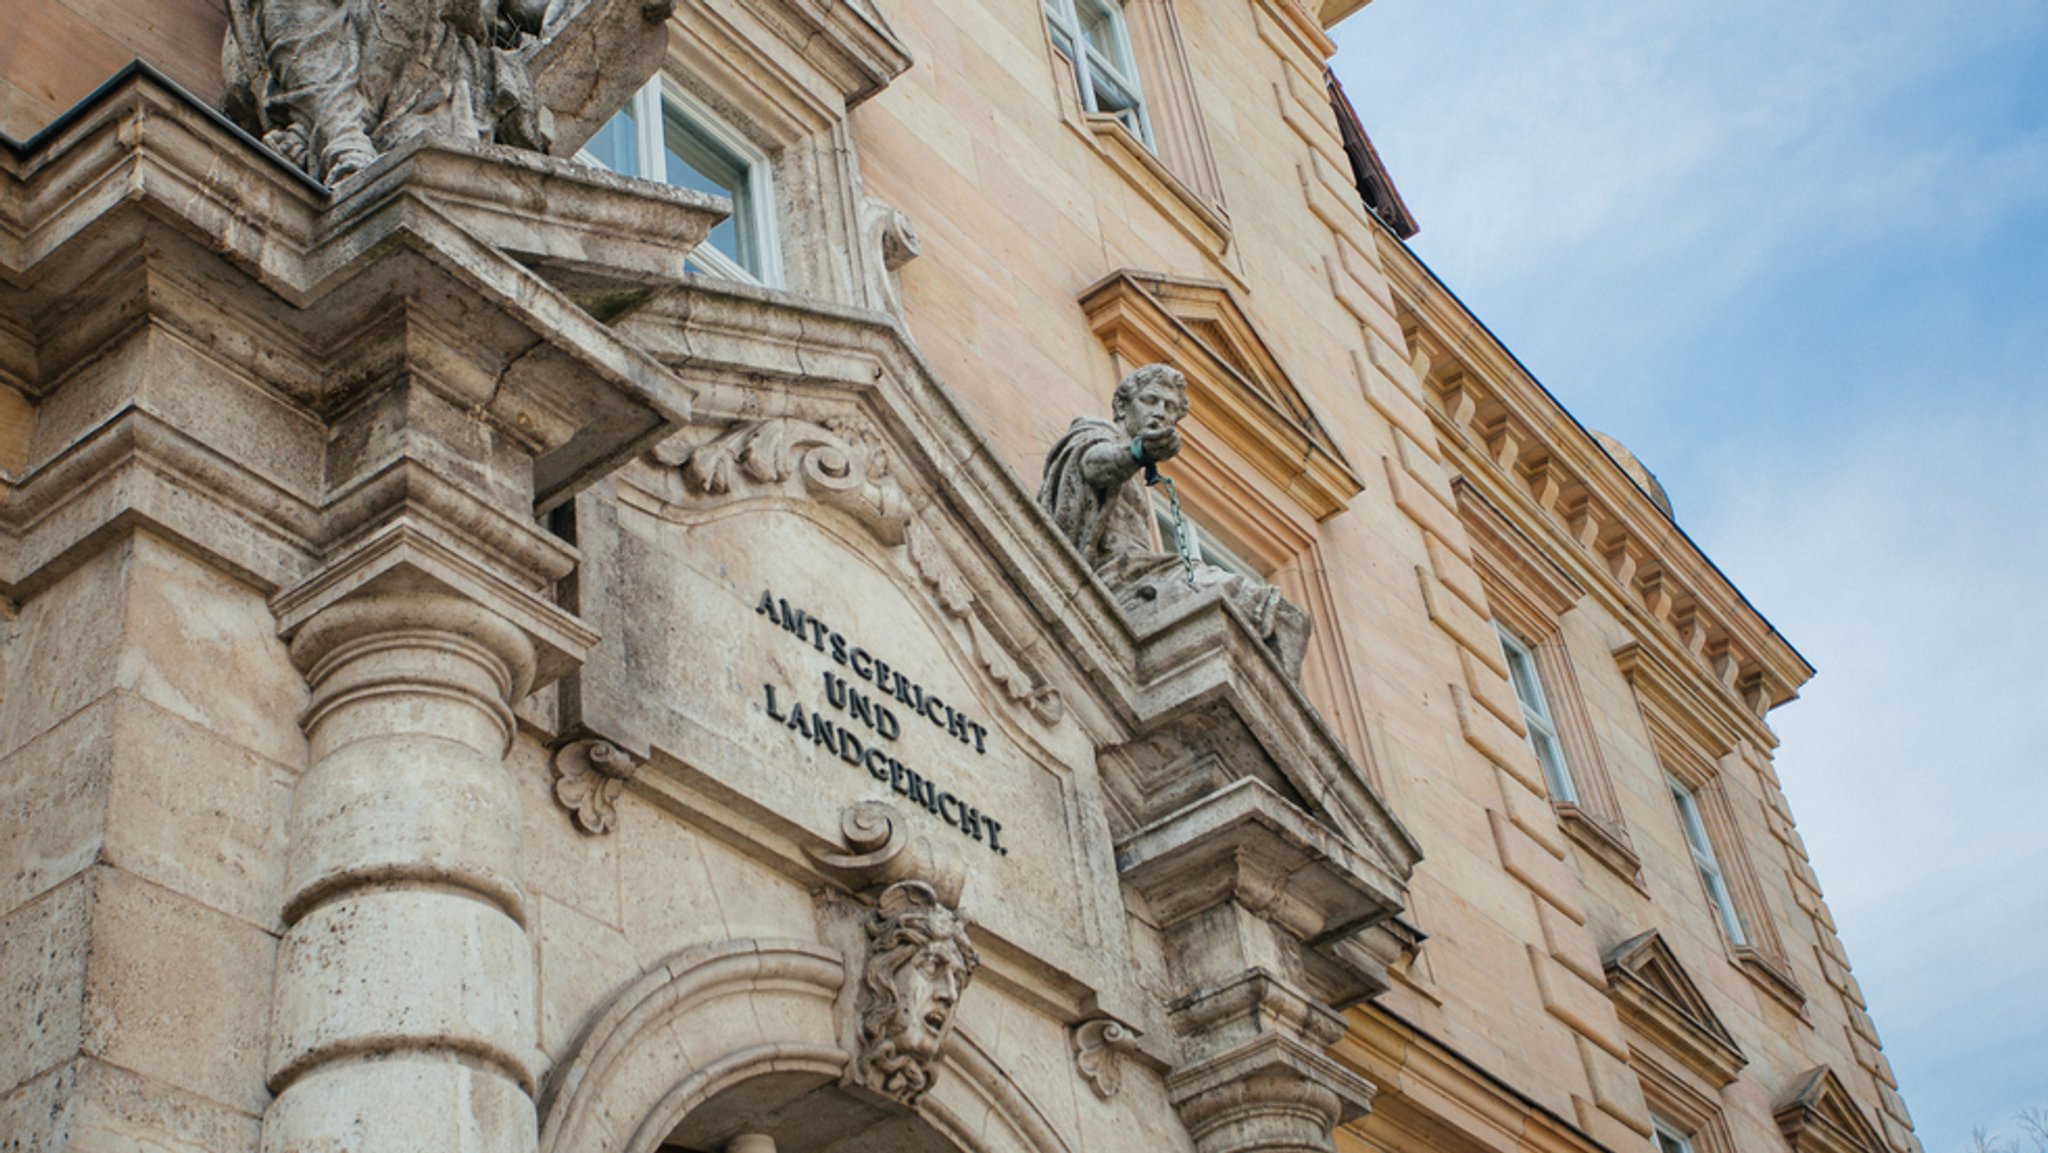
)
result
[(872, 712)]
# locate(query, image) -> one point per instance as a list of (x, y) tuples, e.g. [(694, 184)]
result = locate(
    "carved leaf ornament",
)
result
[(843, 464)]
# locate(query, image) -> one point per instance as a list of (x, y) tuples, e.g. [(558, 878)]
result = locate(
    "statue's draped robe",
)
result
[(364, 75), (1112, 530)]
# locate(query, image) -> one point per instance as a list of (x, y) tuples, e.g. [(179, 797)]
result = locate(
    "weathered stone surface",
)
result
[(331, 84)]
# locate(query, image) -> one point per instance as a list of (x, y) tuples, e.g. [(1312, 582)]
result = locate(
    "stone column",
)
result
[(402, 1016)]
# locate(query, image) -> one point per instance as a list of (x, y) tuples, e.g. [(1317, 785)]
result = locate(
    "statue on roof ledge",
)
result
[(1094, 490), (333, 84)]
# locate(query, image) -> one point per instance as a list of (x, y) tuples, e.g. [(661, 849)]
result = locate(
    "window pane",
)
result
[(1102, 24), (693, 160), (1689, 817), (1554, 771), (613, 145), (1725, 906)]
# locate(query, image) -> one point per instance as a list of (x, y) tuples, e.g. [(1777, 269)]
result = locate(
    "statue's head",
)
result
[(1150, 400), (919, 963)]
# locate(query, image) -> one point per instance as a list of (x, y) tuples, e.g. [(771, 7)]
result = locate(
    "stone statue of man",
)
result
[(332, 84), (1094, 489), (919, 963)]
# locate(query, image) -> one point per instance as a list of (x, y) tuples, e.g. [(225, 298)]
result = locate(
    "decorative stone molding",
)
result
[(1272, 1095), (1506, 435), (1817, 1115), (918, 965), (1099, 1048), (884, 853), (1655, 996), (1236, 387), (892, 243), (589, 775), (844, 464)]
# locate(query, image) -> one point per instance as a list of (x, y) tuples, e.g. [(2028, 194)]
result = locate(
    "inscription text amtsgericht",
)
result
[(872, 711)]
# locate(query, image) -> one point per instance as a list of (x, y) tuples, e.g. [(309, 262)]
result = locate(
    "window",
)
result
[(1536, 714), (1708, 865), (1094, 37), (1531, 599), (1207, 546), (1668, 1138), (665, 134)]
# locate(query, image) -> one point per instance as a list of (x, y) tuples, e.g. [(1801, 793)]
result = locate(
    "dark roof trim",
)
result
[(1375, 187)]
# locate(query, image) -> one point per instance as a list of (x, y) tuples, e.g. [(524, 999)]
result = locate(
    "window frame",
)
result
[(1526, 677), (1707, 864), (1529, 596), (1092, 64), (754, 216), (1662, 1131), (1210, 546)]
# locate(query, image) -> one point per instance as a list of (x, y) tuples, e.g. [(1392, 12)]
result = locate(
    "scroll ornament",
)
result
[(589, 775), (1099, 1046)]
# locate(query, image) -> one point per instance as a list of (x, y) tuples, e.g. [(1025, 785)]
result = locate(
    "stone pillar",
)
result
[(402, 1015)]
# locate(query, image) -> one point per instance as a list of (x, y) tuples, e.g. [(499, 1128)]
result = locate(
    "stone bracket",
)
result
[(1245, 843), (589, 776)]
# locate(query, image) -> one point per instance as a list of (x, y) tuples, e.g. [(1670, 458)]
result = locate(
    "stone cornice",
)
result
[(1495, 418), (197, 328), (1658, 999), (1499, 542), (1236, 387), (1817, 1115), (1434, 1094), (1709, 721)]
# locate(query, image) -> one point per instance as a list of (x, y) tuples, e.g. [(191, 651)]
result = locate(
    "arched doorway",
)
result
[(743, 1039)]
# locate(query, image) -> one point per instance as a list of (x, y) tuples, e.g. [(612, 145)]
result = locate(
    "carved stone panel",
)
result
[(785, 625)]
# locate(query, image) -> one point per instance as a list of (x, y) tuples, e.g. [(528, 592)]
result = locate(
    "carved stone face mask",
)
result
[(927, 991)]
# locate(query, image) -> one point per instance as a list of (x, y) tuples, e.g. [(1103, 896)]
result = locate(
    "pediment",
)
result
[(1236, 388), (1817, 1115), (1656, 996)]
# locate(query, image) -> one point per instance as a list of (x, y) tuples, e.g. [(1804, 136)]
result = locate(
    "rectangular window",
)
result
[(663, 134), (1096, 40), (1537, 716), (1707, 863)]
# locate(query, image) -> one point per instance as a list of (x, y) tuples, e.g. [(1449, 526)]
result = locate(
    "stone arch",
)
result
[(711, 1017)]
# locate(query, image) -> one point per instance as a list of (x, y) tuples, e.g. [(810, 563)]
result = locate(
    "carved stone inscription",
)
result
[(860, 703)]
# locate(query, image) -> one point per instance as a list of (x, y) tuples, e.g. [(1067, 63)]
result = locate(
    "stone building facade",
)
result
[(505, 655)]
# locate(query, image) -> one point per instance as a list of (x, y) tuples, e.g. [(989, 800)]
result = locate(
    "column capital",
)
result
[(1274, 1094), (404, 576)]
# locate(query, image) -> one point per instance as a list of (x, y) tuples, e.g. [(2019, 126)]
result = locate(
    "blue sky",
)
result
[(1795, 255)]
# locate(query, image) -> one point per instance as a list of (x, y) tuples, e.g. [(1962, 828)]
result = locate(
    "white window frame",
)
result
[(1527, 681), (1668, 1138), (1707, 864), (753, 212), (1099, 73)]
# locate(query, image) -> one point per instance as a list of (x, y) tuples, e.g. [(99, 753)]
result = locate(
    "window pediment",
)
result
[(1656, 996), (1236, 388), (1817, 1115)]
